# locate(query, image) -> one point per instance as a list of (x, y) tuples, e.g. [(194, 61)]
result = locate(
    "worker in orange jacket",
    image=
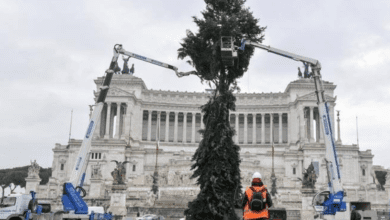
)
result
[(256, 206)]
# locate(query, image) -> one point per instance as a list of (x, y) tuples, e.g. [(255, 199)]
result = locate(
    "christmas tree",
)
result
[(217, 158)]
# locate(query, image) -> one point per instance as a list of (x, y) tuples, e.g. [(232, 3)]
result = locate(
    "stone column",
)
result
[(311, 125), (254, 139), (108, 121), (280, 129), (201, 124), (321, 130), (149, 124), (96, 133), (157, 123), (318, 127), (176, 126), (193, 127), (127, 121), (118, 116), (185, 127), (271, 127), (237, 127), (302, 127), (245, 128), (201, 121), (262, 128), (289, 130), (167, 127)]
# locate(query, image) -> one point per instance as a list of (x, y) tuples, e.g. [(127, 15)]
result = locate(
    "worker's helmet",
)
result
[(256, 175)]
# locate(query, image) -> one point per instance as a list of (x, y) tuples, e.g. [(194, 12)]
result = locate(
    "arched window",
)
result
[(364, 172), (62, 166), (294, 170), (133, 168)]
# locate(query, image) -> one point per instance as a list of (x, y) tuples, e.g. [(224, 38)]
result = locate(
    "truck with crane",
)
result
[(335, 196), (25, 207)]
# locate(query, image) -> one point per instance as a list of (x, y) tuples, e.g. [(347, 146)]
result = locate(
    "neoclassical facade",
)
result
[(128, 127)]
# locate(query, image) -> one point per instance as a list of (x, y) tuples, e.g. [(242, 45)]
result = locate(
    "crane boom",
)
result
[(80, 165), (335, 201), (71, 198), (280, 52), (155, 62)]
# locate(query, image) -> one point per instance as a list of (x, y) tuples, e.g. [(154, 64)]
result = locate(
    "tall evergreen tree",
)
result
[(217, 158)]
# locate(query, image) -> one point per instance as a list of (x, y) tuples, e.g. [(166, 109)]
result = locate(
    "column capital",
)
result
[(311, 107), (150, 112), (109, 103), (185, 113)]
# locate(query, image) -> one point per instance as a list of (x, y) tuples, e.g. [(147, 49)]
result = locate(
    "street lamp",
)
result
[(273, 177)]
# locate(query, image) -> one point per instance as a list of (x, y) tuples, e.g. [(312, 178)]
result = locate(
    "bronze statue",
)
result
[(299, 73), (119, 174), (125, 69), (132, 69), (309, 177)]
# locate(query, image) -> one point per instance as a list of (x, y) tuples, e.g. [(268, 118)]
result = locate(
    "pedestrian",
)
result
[(257, 200)]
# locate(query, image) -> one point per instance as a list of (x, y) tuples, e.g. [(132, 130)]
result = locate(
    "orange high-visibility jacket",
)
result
[(249, 214)]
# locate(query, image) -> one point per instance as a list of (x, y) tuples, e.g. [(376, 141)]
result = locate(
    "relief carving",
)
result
[(171, 178)]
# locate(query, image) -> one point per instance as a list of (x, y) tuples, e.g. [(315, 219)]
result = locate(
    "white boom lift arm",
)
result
[(71, 198), (335, 201)]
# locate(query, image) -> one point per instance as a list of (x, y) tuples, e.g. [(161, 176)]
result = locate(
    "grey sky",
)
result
[(51, 51)]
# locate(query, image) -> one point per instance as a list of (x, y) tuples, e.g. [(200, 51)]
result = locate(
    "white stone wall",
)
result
[(173, 156)]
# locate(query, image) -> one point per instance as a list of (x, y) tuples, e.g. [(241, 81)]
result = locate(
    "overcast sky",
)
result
[(51, 51)]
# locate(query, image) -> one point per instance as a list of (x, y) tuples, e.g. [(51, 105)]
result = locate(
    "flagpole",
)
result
[(70, 129), (357, 131)]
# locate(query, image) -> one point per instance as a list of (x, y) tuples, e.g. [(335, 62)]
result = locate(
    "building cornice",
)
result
[(308, 84)]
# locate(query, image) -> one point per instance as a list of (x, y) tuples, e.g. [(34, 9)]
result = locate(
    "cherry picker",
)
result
[(335, 201), (74, 207)]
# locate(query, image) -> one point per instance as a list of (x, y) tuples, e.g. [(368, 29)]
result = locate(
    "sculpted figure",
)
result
[(164, 179), (148, 179), (171, 177), (309, 177), (376, 181), (184, 179), (119, 174), (33, 170), (150, 198), (177, 179), (96, 172)]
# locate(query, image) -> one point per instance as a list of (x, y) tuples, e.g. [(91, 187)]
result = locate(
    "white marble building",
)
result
[(127, 132)]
